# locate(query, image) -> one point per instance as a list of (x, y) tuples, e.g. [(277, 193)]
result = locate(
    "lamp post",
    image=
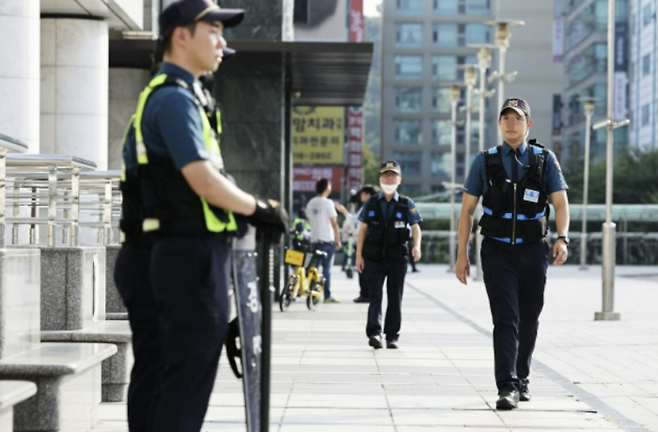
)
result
[(470, 78), (608, 271), (588, 107), (455, 93), (484, 61), (503, 36)]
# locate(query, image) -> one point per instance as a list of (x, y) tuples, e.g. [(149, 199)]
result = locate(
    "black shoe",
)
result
[(524, 393), (375, 342), (393, 344), (360, 299), (508, 399)]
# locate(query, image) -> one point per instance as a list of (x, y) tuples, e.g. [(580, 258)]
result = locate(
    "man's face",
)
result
[(513, 126), (390, 178), (206, 45)]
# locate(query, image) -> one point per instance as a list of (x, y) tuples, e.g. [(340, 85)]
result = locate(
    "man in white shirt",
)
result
[(321, 214)]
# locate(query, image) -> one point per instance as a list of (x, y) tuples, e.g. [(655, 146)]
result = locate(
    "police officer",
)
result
[(381, 252), (515, 180), (190, 208)]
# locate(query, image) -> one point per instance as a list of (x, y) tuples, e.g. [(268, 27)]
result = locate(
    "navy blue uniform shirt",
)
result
[(171, 123), (413, 217), (476, 183)]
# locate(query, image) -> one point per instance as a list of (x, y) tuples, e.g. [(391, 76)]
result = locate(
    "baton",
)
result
[(267, 266)]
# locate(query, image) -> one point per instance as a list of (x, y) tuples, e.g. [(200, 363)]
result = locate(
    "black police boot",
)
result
[(375, 342), (524, 392), (508, 398)]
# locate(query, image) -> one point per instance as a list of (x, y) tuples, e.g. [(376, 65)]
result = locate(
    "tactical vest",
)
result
[(386, 241), (170, 206), (515, 212)]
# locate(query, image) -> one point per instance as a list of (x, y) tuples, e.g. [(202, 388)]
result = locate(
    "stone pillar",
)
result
[(19, 71), (74, 88)]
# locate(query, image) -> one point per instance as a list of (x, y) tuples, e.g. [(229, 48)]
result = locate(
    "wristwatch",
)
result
[(565, 239)]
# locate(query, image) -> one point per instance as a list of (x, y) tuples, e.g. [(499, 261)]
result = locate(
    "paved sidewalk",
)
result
[(587, 375)]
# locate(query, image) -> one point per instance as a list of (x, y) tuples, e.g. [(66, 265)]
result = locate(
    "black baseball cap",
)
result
[(390, 166), (519, 105), (184, 12)]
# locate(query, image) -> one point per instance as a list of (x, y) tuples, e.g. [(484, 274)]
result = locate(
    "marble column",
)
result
[(19, 71), (74, 88)]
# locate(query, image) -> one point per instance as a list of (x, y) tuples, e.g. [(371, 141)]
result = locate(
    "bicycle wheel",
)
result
[(286, 294), (314, 295)]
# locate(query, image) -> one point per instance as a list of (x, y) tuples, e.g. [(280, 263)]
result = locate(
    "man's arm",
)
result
[(463, 266), (561, 204), (359, 246), (416, 235), (334, 225)]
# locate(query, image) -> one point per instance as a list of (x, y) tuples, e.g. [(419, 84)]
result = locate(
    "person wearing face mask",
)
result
[(381, 253), (515, 179)]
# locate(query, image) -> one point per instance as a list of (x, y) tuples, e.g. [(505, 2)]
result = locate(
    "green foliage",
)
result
[(635, 179), (370, 167)]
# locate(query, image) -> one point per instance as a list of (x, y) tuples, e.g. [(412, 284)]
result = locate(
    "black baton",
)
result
[(266, 331)]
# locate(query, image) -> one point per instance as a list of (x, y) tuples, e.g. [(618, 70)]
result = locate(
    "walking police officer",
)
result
[(381, 252), (188, 205), (515, 180)]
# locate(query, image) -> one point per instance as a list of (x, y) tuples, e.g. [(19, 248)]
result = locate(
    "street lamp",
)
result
[(470, 78), (608, 276), (455, 93), (588, 107), (503, 36), (484, 61)]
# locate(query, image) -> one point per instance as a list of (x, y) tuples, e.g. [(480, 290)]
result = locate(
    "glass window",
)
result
[(408, 35), (408, 132), (441, 100), (408, 99), (441, 164), (444, 68), (646, 111), (646, 65), (441, 132), (478, 33), (590, 61), (445, 35), (409, 7), (411, 163), (410, 67), (647, 14), (478, 7), (446, 6)]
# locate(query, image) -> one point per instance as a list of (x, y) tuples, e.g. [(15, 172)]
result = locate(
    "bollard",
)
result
[(608, 270)]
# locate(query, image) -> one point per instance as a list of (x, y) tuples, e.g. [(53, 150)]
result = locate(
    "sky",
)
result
[(369, 7)]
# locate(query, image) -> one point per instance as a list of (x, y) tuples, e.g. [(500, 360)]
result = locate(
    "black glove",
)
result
[(270, 219)]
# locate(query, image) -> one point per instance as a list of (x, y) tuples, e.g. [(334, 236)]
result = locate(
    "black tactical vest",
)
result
[(386, 241), (515, 212)]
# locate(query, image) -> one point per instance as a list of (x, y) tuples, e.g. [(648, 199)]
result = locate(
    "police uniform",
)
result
[(385, 250), (515, 188)]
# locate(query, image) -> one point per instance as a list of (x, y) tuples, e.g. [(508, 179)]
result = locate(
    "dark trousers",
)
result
[(190, 277), (325, 263), (374, 273), (363, 288), (131, 275), (515, 276)]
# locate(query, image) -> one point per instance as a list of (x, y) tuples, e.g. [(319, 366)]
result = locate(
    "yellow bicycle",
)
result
[(304, 280)]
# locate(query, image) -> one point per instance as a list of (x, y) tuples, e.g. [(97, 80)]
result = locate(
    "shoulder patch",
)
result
[(413, 210)]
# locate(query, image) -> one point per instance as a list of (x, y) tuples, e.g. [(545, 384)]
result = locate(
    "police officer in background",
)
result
[(381, 252), (190, 208), (515, 180)]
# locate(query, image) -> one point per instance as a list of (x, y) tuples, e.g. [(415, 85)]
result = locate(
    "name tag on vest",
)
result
[(400, 224), (531, 195)]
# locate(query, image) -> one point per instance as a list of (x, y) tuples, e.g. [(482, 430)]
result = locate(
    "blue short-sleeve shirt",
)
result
[(476, 183), (171, 123), (388, 207)]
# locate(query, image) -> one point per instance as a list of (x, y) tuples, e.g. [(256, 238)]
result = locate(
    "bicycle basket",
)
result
[(294, 257)]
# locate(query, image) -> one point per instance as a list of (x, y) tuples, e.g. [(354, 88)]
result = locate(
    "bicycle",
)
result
[(304, 280)]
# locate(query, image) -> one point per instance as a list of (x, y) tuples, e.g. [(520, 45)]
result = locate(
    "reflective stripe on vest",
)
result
[(213, 224), (488, 211)]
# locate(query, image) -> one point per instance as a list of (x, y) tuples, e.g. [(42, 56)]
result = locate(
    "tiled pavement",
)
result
[(587, 375)]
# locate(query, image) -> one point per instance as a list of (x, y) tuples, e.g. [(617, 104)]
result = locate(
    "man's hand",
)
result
[(560, 252), (338, 245), (415, 253), (463, 269), (360, 264), (270, 219)]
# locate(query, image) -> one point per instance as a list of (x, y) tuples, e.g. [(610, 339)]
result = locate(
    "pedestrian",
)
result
[(366, 192), (301, 232), (515, 180), (188, 207), (325, 236), (381, 253)]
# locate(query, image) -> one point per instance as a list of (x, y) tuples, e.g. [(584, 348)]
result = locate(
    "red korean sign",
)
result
[(305, 177)]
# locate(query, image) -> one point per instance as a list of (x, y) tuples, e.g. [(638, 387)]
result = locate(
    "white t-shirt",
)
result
[(319, 212)]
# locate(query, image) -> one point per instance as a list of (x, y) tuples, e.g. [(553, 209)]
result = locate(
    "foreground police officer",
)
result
[(381, 252), (188, 206), (515, 179)]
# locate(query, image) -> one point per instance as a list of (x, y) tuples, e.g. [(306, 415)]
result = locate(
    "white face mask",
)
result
[(388, 189)]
